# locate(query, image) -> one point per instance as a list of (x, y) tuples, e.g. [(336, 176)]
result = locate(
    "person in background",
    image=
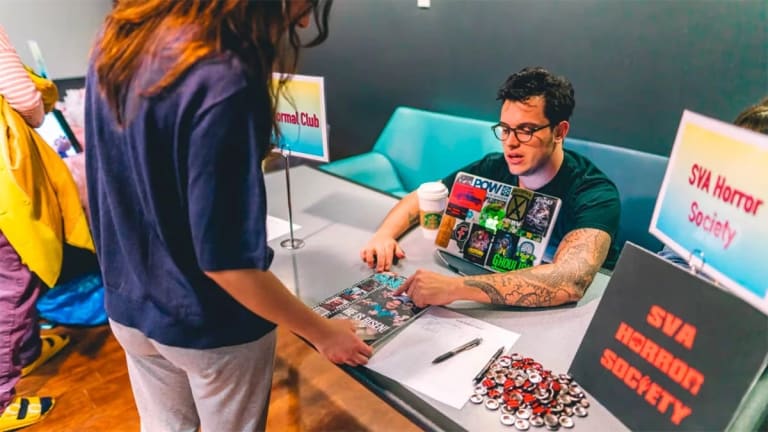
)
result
[(22, 349), (534, 120), (179, 116), (755, 118)]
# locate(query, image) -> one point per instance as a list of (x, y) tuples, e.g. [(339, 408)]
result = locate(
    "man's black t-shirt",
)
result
[(590, 199)]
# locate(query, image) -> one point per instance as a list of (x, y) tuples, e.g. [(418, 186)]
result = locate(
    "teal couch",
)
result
[(638, 176), (417, 146)]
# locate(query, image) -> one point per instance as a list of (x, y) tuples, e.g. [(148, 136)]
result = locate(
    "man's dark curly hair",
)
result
[(537, 81)]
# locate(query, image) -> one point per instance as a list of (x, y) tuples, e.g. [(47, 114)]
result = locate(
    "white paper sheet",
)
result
[(277, 227), (407, 358)]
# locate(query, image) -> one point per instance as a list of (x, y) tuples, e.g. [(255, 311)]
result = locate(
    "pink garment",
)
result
[(76, 165), (16, 86)]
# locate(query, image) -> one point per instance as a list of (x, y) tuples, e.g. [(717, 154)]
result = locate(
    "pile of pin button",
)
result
[(528, 395)]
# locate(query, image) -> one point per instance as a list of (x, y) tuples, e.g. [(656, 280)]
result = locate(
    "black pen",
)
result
[(469, 345), (487, 366)]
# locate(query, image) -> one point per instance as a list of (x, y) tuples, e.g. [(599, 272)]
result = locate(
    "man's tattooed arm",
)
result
[(578, 258)]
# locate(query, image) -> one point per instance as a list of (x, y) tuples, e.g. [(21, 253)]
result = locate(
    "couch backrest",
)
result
[(638, 176), (427, 146)]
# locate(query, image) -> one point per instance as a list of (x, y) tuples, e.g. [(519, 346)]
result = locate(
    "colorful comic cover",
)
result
[(379, 313), (498, 226), (345, 297)]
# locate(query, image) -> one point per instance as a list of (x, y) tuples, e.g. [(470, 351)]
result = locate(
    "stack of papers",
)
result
[(407, 358)]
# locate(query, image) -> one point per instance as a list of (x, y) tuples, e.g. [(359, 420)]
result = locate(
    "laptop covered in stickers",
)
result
[(496, 226)]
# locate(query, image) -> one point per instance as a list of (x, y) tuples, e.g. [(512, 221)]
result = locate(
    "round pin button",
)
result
[(523, 413), (565, 421), (522, 424), (580, 411), (584, 403), (536, 421), (551, 420), (476, 399), (492, 404), (507, 419), (505, 361)]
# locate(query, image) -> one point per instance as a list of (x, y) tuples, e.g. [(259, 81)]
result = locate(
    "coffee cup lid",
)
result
[(433, 190)]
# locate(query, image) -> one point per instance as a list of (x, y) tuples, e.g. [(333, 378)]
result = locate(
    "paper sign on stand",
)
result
[(713, 204), (300, 113), (667, 350), (303, 132), (407, 358)]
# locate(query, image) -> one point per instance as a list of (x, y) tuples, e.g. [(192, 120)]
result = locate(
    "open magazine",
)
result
[(495, 225), (372, 304)]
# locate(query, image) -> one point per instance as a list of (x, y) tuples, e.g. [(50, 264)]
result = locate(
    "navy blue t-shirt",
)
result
[(179, 190)]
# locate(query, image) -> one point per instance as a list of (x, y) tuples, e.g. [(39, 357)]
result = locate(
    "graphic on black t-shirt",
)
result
[(539, 215), (476, 247)]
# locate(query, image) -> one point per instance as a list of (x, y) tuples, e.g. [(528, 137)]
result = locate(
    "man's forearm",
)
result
[(544, 285), (579, 257), (403, 215)]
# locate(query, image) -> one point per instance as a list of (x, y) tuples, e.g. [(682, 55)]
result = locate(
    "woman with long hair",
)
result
[(179, 116)]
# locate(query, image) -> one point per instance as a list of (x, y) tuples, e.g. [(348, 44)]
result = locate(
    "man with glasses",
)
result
[(535, 112)]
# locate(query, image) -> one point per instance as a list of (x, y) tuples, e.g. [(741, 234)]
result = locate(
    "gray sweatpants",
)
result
[(180, 389)]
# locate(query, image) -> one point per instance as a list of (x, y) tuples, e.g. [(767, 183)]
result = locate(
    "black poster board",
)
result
[(667, 350)]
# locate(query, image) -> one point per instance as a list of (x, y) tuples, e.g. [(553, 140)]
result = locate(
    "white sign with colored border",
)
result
[(713, 204), (301, 116)]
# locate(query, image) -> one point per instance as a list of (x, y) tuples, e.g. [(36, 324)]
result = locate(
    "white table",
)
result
[(337, 218)]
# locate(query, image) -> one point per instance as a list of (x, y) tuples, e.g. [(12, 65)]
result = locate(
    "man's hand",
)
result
[(380, 252), (429, 288), (339, 343)]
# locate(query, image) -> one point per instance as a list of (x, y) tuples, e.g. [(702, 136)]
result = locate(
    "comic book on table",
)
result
[(496, 225), (372, 304)]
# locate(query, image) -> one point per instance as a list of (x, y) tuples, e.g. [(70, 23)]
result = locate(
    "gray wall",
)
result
[(635, 64), (64, 30)]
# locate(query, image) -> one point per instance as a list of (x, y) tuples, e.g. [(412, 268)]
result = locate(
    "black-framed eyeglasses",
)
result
[(522, 134)]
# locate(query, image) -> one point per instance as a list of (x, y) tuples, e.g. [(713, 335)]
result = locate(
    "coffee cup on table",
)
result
[(433, 197)]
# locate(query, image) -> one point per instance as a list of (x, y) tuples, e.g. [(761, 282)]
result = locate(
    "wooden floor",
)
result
[(90, 383)]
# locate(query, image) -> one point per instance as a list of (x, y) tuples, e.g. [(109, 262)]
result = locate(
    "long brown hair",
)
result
[(262, 33)]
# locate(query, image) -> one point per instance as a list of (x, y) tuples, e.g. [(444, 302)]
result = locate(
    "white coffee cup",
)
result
[(433, 197)]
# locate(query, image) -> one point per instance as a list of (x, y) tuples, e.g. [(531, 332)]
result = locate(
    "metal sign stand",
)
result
[(292, 242)]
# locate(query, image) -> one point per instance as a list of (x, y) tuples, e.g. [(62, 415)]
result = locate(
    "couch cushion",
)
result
[(371, 169), (638, 176), (426, 146)]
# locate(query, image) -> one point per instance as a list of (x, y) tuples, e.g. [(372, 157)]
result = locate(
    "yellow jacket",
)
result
[(39, 204)]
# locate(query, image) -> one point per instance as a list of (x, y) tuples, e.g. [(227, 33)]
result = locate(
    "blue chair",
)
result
[(417, 146), (638, 176)]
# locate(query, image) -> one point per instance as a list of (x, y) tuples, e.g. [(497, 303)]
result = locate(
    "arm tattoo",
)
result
[(578, 258), (413, 218), (488, 289)]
